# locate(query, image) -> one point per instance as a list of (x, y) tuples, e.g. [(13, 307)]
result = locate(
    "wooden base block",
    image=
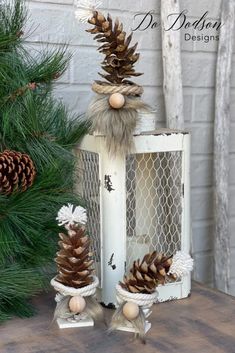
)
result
[(132, 329), (64, 323)]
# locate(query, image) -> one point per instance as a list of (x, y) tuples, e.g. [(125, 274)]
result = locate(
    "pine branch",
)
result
[(26, 219), (12, 282), (15, 290), (19, 307), (47, 65), (34, 72), (12, 19)]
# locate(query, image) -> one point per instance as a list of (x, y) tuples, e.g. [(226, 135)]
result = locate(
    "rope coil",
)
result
[(84, 291), (108, 88), (138, 298)]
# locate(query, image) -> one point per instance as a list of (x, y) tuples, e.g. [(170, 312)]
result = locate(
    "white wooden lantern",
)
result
[(136, 204)]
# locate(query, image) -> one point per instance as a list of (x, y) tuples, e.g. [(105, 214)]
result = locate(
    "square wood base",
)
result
[(64, 323)]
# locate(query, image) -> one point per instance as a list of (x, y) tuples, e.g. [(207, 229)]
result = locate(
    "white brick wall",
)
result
[(57, 26)]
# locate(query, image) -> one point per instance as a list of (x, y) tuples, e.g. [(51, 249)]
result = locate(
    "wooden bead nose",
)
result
[(131, 311), (117, 100), (77, 304)]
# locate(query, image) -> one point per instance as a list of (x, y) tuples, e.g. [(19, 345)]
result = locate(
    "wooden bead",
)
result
[(117, 100), (131, 311), (77, 304)]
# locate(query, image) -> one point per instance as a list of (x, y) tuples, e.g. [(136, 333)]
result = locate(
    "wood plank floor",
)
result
[(203, 323)]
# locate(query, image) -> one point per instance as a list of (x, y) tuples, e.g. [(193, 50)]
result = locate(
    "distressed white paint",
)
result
[(113, 208), (172, 76), (221, 147)]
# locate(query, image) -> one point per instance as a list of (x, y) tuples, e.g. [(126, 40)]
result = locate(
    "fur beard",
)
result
[(92, 309), (118, 125), (119, 320)]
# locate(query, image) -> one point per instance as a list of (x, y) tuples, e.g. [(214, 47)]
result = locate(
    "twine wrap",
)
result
[(126, 90), (86, 291), (143, 300)]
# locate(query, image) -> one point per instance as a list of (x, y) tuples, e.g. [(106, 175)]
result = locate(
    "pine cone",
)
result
[(17, 172), (146, 275), (74, 259), (119, 57)]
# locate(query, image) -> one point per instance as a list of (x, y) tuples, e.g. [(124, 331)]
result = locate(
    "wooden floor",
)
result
[(203, 323)]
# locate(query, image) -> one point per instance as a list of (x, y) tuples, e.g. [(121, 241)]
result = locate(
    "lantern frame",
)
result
[(110, 198)]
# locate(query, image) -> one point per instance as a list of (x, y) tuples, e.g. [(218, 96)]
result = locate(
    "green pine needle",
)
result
[(12, 19), (32, 122)]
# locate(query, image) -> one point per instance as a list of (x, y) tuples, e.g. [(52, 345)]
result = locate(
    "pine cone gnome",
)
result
[(75, 283), (137, 293), (114, 111)]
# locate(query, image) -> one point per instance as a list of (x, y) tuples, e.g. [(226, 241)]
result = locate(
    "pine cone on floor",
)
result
[(74, 258), (146, 275), (120, 57), (17, 172)]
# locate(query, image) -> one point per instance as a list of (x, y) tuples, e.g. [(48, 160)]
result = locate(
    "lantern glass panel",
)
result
[(153, 204)]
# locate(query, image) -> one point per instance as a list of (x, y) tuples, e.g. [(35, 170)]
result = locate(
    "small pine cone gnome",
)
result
[(114, 111), (75, 281), (17, 172), (137, 293)]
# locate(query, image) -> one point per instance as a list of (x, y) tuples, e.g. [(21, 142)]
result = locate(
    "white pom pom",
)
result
[(70, 215), (182, 264), (85, 9)]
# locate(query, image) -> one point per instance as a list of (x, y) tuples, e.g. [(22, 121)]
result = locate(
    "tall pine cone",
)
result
[(146, 275), (17, 172), (74, 259), (120, 58)]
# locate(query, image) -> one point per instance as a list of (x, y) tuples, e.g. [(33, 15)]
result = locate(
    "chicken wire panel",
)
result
[(154, 203), (89, 186)]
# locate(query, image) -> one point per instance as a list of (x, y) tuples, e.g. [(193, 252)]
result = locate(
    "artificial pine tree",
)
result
[(35, 127)]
